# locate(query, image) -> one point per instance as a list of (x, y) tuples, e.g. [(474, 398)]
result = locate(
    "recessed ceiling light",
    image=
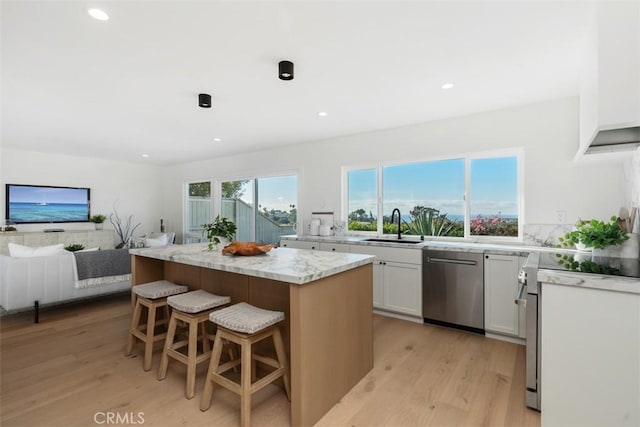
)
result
[(217, 139), (145, 155), (447, 86), (98, 14), (323, 114)]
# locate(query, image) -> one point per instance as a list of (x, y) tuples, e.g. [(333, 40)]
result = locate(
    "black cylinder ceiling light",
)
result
[(285, 70), (204, 100)]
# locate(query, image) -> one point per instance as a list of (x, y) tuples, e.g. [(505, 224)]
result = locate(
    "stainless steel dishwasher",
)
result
[(453, 289)]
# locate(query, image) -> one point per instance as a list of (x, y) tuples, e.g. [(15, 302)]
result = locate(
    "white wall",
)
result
[(134, 188), (548, 133)]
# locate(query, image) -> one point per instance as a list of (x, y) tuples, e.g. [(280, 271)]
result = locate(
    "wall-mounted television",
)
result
[(34, 204)]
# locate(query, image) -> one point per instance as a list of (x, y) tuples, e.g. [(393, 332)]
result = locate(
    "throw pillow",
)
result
[(20, 251), (156, 242)]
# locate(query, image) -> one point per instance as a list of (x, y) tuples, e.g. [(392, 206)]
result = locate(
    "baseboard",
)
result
[(398, 315), (507, 338)]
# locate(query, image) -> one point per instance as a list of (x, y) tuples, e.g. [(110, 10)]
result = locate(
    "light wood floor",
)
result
[(70, 368)]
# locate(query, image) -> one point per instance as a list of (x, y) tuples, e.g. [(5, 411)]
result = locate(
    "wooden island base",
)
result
[(328, 330)]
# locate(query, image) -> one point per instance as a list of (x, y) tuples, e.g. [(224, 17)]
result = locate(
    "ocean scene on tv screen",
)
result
[(47, 204)]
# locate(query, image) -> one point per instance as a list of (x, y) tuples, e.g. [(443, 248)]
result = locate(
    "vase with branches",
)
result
[(124, 228)]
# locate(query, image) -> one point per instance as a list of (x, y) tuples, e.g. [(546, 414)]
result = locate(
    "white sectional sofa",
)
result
[(47, 279)]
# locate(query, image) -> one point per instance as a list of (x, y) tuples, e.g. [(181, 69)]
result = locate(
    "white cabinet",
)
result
[(397, 279), (402, 288), (334, 247), (501, 314), (299, 244), (590, 354)]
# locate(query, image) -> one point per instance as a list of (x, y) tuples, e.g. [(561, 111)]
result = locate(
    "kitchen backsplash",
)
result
[(632, 181), (544, 234)]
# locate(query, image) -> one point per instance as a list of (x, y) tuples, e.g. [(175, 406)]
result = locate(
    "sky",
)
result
[(275, 192), (29, 194), (440, 185)]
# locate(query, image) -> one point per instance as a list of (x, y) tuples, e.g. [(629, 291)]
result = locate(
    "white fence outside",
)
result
[(238, 211)]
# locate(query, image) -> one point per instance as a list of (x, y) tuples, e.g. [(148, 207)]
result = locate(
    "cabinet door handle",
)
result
[(313, 247), (333, 249)]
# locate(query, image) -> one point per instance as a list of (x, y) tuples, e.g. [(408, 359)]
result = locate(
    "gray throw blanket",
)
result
[(102, 264)]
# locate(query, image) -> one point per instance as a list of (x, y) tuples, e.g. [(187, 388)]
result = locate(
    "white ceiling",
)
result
[(128, 86)]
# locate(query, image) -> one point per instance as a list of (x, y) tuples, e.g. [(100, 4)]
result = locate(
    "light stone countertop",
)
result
[(489, 248), (589, 280), (284, 264)]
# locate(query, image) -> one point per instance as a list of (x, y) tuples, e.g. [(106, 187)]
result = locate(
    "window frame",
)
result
[(517, 152), (185, 210), (254, 176)]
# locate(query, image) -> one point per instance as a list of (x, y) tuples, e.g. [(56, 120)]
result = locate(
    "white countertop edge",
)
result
[(176, 254), (591, 281)]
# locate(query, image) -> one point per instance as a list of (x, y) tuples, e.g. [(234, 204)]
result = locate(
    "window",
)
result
[(198, 210), (431, 197), (363, 199), (494, 197), (263, 209)]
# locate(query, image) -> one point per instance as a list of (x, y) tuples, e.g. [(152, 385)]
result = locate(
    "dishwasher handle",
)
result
[(451, 261)]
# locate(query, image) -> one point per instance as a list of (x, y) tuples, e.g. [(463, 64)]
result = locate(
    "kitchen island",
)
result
[(327, 299)]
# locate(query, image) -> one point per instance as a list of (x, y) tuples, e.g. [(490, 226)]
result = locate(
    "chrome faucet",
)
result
[(393, 213)]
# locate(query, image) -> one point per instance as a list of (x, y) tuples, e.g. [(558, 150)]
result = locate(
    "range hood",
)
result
[(614, 140), (610, 80)]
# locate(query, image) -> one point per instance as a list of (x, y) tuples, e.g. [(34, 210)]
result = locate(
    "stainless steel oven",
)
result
[(530, 295)]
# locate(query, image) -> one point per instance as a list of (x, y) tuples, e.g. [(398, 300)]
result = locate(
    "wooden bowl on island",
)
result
[(246, 248)]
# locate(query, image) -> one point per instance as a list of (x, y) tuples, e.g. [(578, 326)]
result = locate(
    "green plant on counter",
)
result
[(74, 247), (98, 219), (220, 227), (594, 234), (587, 266)]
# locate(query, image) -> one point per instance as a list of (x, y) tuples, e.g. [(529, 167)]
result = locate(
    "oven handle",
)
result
[(519, 300)]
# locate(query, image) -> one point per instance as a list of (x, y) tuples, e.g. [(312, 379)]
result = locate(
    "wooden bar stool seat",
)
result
[(192, 308), (245, 325), (153, 296)]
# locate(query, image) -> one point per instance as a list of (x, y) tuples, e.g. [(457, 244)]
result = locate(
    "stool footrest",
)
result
[(143, 337), (227, 383), (185, 359), (267, 361), (267, 379), (228, 365)]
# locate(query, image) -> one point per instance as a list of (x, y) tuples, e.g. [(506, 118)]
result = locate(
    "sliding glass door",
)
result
[(262, 208)]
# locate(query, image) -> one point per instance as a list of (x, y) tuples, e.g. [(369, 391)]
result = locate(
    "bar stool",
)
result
[(151, 295), (245, 325), (193, 308)]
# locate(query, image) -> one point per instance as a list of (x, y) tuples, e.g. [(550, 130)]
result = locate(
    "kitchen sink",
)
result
[(404, 242)]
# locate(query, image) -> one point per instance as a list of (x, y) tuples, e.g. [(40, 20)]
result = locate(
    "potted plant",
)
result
[(221, 228), (594, 234), (98, 220), (74, 247)]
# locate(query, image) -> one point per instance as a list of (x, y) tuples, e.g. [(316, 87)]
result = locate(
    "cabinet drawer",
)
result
[(299, 244), (334, 247), (410, 256)]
